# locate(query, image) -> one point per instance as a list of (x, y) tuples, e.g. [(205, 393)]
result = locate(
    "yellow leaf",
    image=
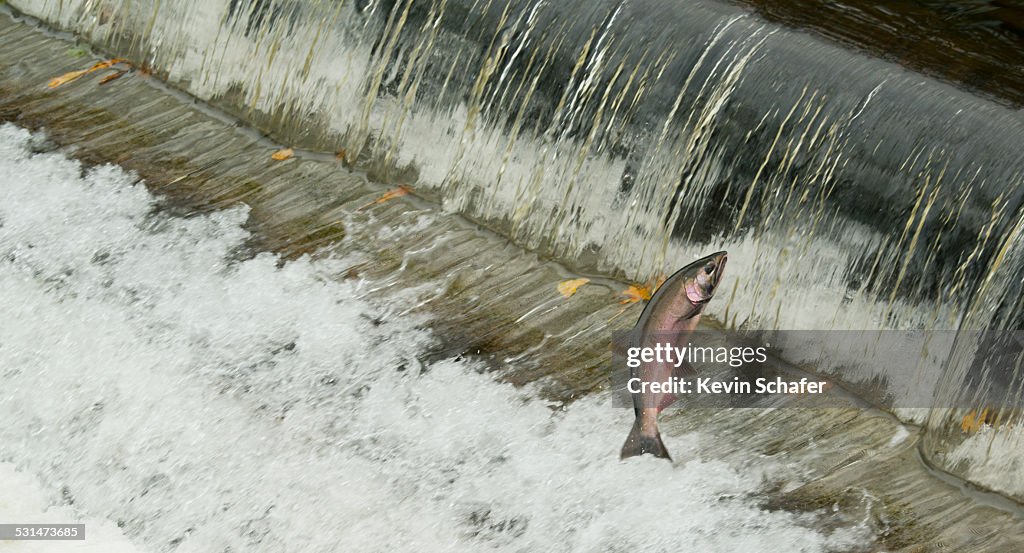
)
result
[(967, 425), (389, 195), (110, 62), (635, 293), (394, 193), (111, 77), (66, 78), (568, 287), (283, 154), (75, 75), (973, 421)]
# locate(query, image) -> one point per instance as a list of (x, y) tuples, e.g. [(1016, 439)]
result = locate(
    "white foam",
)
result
[(991, 457), (899, 436), (207, 404), (24, 501)]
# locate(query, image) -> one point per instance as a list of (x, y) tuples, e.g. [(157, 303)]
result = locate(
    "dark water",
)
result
[(978, 44)]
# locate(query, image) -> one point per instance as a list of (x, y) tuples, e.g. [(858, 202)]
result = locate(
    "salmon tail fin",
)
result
[(638, 444)]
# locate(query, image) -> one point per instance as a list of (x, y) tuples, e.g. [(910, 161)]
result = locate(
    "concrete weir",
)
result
[(487, 298)]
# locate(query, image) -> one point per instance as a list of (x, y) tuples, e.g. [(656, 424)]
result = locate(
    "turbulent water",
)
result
[(25, 500), (624, 137), (160, 377)]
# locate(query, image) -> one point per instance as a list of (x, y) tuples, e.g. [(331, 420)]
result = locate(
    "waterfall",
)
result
[(630, 137)]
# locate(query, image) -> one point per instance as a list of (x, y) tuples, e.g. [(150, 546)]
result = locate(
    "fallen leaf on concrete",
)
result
[(568, 287), (389, 195), (282, 154), (112, 77), (973, 421), (75, 75), (635, 293), (109, 63), (66, 78)]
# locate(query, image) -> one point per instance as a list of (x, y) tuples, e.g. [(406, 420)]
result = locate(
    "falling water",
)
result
[(627, 137)]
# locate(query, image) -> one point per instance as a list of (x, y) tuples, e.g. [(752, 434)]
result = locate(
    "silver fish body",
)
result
[(672, 313)]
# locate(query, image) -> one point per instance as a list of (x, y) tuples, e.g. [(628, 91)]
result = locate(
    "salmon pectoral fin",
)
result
[(639, 444)]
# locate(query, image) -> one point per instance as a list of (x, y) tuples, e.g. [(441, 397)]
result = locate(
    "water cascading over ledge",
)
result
[(630, 137)]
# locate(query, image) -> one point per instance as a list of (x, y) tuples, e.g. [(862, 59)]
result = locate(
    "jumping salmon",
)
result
[(672, 313)]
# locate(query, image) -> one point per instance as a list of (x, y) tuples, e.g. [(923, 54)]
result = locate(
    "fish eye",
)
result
[(709, 268)]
